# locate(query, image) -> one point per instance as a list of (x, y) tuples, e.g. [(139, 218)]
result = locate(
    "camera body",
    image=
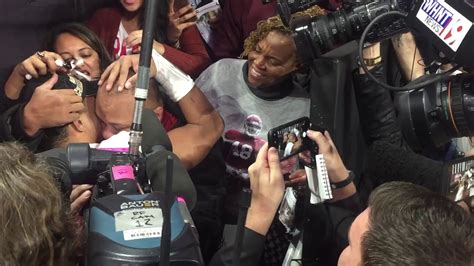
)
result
[(125, 226), (128, 229)]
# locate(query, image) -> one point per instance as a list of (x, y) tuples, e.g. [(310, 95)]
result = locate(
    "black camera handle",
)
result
[(244, 204)]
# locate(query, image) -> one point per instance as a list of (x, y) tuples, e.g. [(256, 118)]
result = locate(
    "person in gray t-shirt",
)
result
[(257, 94), (253, 96)]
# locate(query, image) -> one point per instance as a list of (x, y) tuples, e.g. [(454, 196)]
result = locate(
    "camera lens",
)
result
[(458, 106), (319, 35), (432, 116)]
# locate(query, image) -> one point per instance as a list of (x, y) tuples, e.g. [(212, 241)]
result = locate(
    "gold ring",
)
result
[(41, 54)]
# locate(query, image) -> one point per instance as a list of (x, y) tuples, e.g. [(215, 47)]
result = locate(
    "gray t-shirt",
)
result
[(247, 117)]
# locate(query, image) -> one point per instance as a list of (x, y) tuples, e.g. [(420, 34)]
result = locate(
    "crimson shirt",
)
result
[(192, 58)]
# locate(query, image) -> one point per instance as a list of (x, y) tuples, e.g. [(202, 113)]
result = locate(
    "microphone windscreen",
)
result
[(387, 162), (182, 184), (153, 133)]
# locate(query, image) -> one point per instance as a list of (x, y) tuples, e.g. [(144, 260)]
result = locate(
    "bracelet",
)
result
[(345, 182), (372, 61)]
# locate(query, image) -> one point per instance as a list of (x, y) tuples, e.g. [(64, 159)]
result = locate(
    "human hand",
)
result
[(268, 187), (180, 20), (336, 170), (116, 74), (134, 40), (34, 66), (51, 108), (80, 196), (38, 64)]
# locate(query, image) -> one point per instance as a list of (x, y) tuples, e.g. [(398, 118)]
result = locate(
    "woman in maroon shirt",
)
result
[(176, 36)]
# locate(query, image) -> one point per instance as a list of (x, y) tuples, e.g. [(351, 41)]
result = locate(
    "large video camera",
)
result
[(131, 200), (434, 108)]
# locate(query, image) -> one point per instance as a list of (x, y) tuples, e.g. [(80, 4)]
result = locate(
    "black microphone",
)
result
[(156, 145), (154, 135), (387, 162), (182, 184)]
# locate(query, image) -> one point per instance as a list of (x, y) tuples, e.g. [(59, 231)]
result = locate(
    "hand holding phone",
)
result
[(291, 139)]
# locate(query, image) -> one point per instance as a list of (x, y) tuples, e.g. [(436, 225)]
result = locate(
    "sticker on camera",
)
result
[(142, 233), (134, 219)]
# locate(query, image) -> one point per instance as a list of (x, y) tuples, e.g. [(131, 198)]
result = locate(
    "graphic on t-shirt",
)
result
[(241, 146), (253, 125)]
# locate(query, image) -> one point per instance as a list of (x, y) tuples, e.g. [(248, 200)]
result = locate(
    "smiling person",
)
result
[(256, 94), (253, 96)]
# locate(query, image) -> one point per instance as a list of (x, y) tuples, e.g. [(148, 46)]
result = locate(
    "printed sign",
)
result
[(140, 204), (444, 21), (134, 219)]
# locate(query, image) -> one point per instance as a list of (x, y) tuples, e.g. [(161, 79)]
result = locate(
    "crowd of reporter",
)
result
[(217, 126)]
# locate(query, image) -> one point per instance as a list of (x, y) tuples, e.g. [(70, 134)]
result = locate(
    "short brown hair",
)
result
[(35, 222), (410, 225), (275, 24)]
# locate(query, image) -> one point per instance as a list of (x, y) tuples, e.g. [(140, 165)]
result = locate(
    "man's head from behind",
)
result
[(406, 224), (115, 109)]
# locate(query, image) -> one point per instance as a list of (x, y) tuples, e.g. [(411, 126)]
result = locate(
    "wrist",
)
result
[(370, 63), (371, 51), (259, 220), (160, 48), (338, 175), (30, 124), (345, 182), (14, 84)]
